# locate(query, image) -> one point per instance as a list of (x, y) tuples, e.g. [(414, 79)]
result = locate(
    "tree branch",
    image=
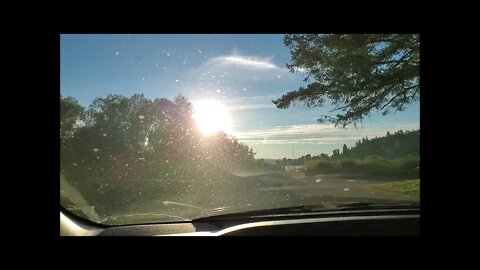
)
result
[(404, 92), (401, 60)]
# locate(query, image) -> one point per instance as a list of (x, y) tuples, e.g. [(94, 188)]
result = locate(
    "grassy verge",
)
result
[(408, 187), (371, 165)]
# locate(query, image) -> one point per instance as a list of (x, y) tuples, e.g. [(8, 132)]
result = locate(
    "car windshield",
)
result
[(163, 128)]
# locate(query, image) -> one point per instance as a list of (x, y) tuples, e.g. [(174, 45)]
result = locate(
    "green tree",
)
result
[(345, 151), (357, 73), (71, 114), (134, 138), (336, 153)]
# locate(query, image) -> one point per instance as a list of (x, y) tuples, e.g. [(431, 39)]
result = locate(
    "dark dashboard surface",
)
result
[(364, 223)]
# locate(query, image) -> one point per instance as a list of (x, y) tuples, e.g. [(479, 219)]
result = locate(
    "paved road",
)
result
[(191, 199), (336, 186)]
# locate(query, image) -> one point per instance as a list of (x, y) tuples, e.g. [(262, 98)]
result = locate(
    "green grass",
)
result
[(371, 165), (408, 187)]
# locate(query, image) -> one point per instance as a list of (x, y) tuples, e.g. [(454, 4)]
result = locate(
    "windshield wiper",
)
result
[(268, 212), (367, 205), (324, 207), (140, 218)]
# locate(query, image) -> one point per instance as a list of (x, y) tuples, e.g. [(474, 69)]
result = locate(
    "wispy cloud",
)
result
[(235, 74), (254, 98), (244, 107), (235, 69), (244, 61), (317, 134), (250, 103)]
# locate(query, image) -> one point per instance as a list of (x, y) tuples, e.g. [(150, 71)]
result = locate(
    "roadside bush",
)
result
[(348, 165), (319, 166), (409, 166), (309, 168), (372, 165)]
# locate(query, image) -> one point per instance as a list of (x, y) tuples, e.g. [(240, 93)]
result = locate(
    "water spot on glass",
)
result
[(116, 54), (74, 164), (164, 68), (104, 134), (318, 180), (126, 164), (143, 79), (98, 157), (95, 149), (279, 76), (200, 51), (244, 89), (346, 189), (219, 91), (141, 116), (176, 80)]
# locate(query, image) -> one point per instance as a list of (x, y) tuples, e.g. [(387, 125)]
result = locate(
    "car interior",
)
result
[(388, 222)]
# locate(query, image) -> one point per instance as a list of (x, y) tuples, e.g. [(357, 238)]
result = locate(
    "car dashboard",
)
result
[(394, 222)]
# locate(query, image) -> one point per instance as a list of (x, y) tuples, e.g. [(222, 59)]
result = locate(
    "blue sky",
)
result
[(243, 72)]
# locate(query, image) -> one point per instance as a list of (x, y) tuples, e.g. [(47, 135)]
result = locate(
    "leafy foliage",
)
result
[(124, 140), (357, 73), (71, 113), (396, 153), (409, 187), (407, 166)]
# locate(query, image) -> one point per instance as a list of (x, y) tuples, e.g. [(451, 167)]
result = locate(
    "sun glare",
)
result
[(211, 116)]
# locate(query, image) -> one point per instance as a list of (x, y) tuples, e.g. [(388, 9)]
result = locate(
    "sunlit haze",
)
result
[(211, 116), (230, 79)]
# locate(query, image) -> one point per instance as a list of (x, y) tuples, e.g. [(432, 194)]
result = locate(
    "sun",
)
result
[(211, 116)]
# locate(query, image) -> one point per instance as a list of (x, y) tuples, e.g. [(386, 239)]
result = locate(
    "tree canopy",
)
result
[(357, 73), (70, 114), (125, 140)]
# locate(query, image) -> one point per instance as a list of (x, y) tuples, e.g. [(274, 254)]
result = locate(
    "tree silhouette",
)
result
[(123, 140), (358, 73)]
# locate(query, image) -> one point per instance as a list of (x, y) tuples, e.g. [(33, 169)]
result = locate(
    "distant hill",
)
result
[(397, 145), (270, 161), (396, 154), (400, 144)]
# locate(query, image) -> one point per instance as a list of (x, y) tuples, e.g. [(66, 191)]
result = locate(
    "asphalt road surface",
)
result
[(192, 199)]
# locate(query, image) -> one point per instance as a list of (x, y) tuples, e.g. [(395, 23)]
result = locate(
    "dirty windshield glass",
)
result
[(163, 128)]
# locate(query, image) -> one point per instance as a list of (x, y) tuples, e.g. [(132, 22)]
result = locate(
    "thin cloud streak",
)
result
[(317, 134), (245, 107), (245, 61), (234, 75), (250, 103)]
